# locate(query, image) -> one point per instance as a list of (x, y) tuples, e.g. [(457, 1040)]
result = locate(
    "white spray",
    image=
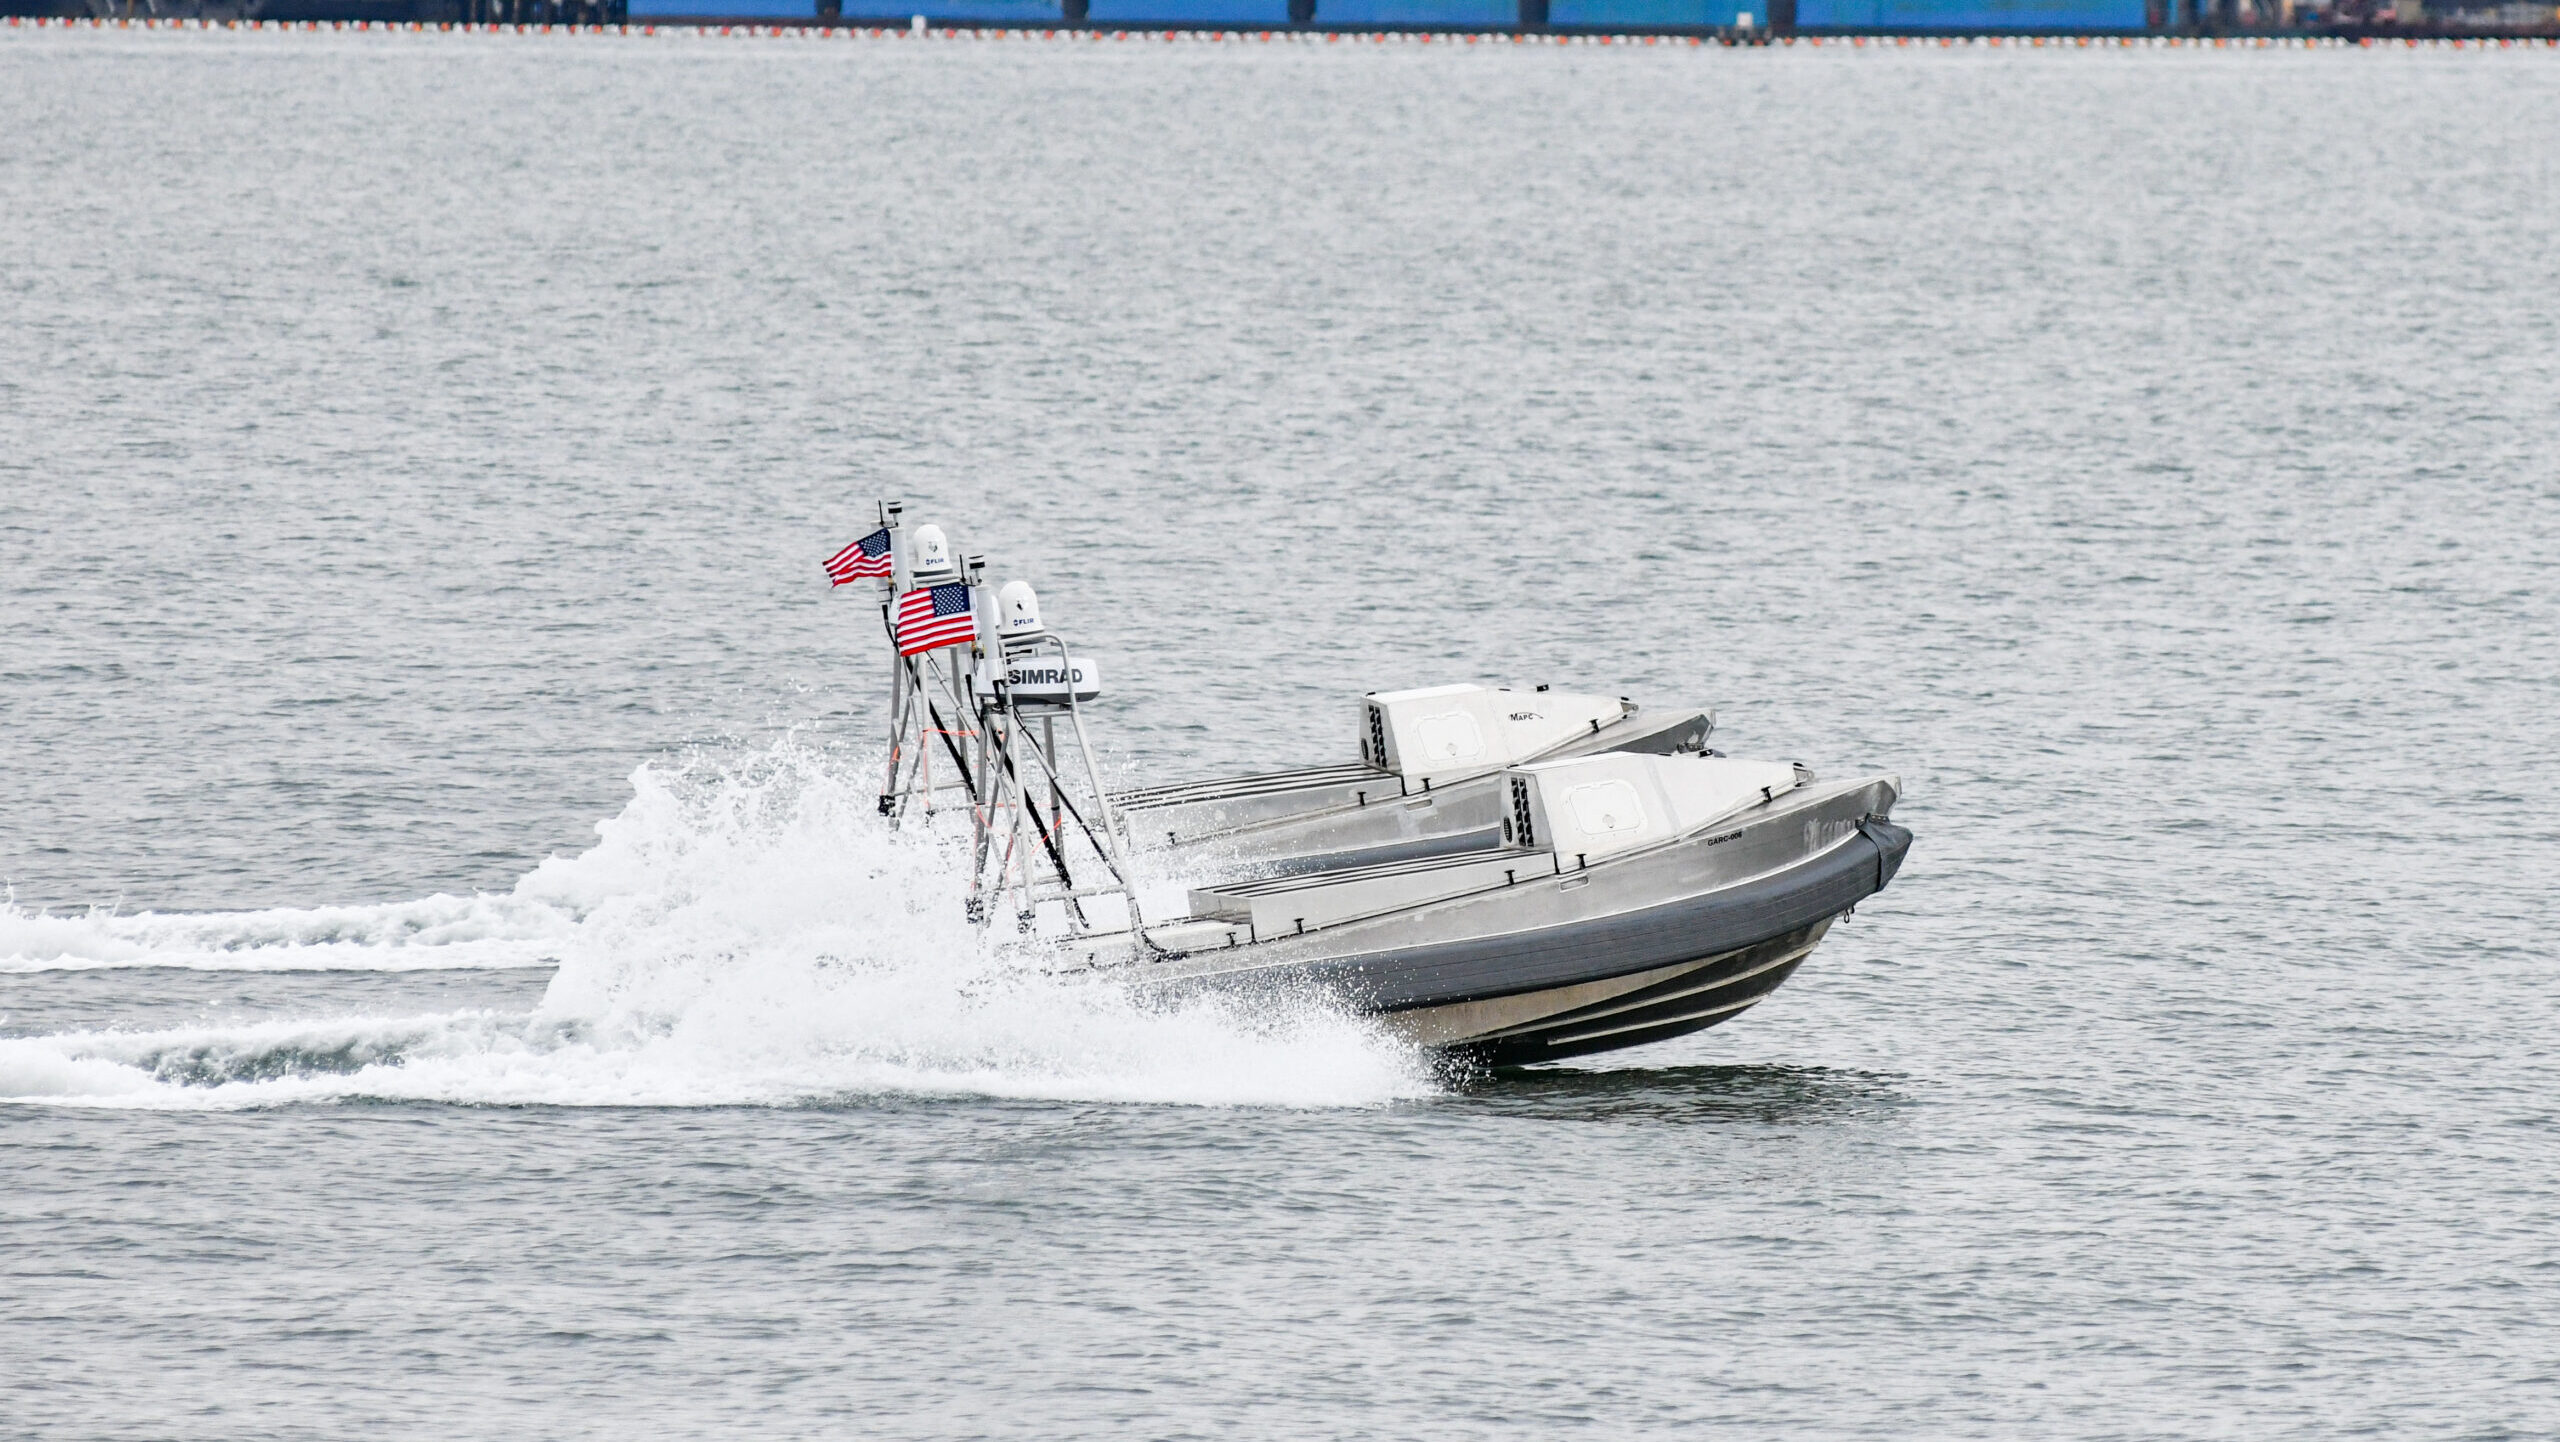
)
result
[(744, 932)]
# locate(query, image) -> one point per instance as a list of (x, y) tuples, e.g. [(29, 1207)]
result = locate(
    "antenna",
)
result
[(1043, 803), (924, 688)]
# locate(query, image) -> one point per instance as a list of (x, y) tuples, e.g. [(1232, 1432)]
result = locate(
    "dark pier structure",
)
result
[(1732, 22)]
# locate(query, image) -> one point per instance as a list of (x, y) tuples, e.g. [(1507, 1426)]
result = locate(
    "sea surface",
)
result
[(453, 983)]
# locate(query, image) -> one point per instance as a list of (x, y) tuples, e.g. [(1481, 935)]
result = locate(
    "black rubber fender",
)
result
[(1891, 842)]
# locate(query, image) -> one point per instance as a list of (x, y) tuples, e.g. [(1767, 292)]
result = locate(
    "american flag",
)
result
[(866, 557), (934, 616)]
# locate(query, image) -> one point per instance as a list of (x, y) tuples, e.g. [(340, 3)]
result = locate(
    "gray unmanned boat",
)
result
[(1631, 898), (1511, 877), (1598, 900)]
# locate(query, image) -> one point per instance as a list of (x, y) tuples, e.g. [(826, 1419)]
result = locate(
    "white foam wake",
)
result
[(746, 931), (892, 1036), (436, 933)]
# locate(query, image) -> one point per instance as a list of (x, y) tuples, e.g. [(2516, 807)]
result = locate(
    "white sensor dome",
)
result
[(1018, 610), (933, 552)]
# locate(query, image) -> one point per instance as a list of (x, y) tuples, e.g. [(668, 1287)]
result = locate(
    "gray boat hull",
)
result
[(1577, 960), (1654, 1006)]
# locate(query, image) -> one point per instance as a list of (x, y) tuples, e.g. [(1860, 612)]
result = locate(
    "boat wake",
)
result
[(802, 1045), (436, 933), (745, 932)]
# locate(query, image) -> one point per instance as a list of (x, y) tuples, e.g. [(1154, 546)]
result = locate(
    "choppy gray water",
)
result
[(416, 451)]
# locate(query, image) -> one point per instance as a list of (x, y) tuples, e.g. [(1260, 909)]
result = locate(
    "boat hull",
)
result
[(1579, 1019), (1584, 960)]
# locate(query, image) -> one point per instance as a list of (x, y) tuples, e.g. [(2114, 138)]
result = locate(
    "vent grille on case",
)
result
[(1376, 745), (1520, 811)]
